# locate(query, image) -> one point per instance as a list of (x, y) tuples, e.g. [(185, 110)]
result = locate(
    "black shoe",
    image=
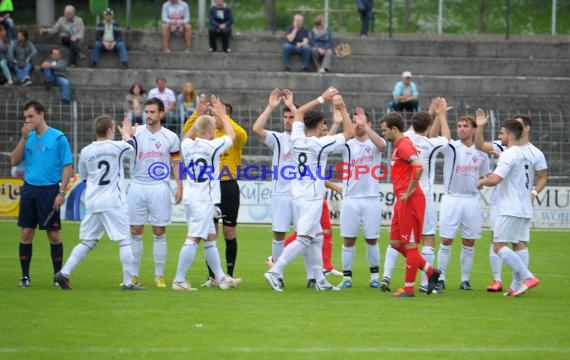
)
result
[(311, 283), (94, 64), (65, 102), (385, 284), (433, 280), (465, 285), (440, 286), (306, 69), (47, 85), (62, 281), (25, 282), (287, 69), (125, 65)]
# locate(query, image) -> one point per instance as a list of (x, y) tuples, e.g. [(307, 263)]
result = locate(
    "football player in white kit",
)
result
[(459, 207), (538, 168), (424, 136), (202, 158), (101, 167), (280, 143), (361, 198), (308, 190), (149, 194), (513, 206)]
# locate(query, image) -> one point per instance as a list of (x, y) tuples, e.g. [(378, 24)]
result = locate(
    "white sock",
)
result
[(307, 263), (185, 259), (391, 258), (496, 264), (373, 255), (516, 282), (443, 256), (159, 254), (315, 251), (213, 259), (126, 256), (77, 254), (347, 257), (524, 255), (514, 262), (289, 254), (466, 259), (277, 249), (137, 249), (428, 252)]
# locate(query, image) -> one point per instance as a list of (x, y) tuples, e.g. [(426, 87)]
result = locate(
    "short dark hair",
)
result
[(514, 127), (229, 109), (36, 105), (102, 124), (24, 34), (133, 87), (287, 109), (393, 119), (421, 120), (160, 78), (155, 101), (525, 119), (313, 118), (53, 49), (469, 119)]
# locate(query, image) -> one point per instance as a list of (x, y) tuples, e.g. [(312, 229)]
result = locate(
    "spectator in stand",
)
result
[(134, 102), (109, 37), (321, 42), (71, 30), (187, 101), (221, 21), (176, 17), (22, 54), (168, 98), (365, 10), (4, 56), (297, 43), (6, 9), (54, 69), (405, 94)]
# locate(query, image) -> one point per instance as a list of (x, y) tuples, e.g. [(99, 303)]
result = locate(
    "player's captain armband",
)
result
[(175, 155)]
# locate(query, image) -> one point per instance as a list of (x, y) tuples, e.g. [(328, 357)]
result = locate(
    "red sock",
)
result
[(327, 251), (422, 265), (290, 239), (411, 272)]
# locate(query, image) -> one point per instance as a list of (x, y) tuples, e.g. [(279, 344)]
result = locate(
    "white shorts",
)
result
[(511, 229), (149, 201), (460, 212), (430, 217), (492, 217), (356, 212), (114, 222), (307, 214), (281, 212), (199, 216)]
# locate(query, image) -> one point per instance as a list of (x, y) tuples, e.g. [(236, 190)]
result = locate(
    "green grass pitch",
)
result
[(98, 320)]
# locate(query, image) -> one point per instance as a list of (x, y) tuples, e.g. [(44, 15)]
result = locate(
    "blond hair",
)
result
[(204, 124)]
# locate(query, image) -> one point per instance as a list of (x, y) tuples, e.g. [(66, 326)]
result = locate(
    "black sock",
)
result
[(57, 256), (210, 272), (25, 258), (231, 254), (374, 270)]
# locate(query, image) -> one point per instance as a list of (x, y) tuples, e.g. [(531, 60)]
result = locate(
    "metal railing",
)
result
[(549, 132)]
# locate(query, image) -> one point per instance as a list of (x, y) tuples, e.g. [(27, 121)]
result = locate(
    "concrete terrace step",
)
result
[(112, 100), (411, 45), (361, 64)]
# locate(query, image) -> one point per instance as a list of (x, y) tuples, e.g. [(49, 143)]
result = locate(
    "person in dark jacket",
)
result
[(22, 54), (221, 21), (109, 37)]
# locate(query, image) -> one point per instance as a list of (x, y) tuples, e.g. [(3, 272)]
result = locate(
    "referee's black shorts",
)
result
[(229, 202), (36, 205)]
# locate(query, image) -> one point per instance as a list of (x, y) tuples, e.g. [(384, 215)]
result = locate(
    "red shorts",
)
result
[(408, 219)]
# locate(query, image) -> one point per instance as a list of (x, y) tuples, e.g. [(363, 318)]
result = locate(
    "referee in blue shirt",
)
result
[(47, 156)]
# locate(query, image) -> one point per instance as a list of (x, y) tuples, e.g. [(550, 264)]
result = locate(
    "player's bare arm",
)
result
[(373, 135), (334, 187), (440, 124), (481, 119), (219, 111), (489, 181), (347, 127), (258, 127), (288, 100), (337, 121), (417, 169), (541, 180)]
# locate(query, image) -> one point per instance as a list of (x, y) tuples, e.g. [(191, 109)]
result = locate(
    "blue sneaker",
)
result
[(375, 284), (345, 284)]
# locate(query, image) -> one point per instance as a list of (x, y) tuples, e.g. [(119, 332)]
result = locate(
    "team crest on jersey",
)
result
[(158, 145), (474, 158)]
